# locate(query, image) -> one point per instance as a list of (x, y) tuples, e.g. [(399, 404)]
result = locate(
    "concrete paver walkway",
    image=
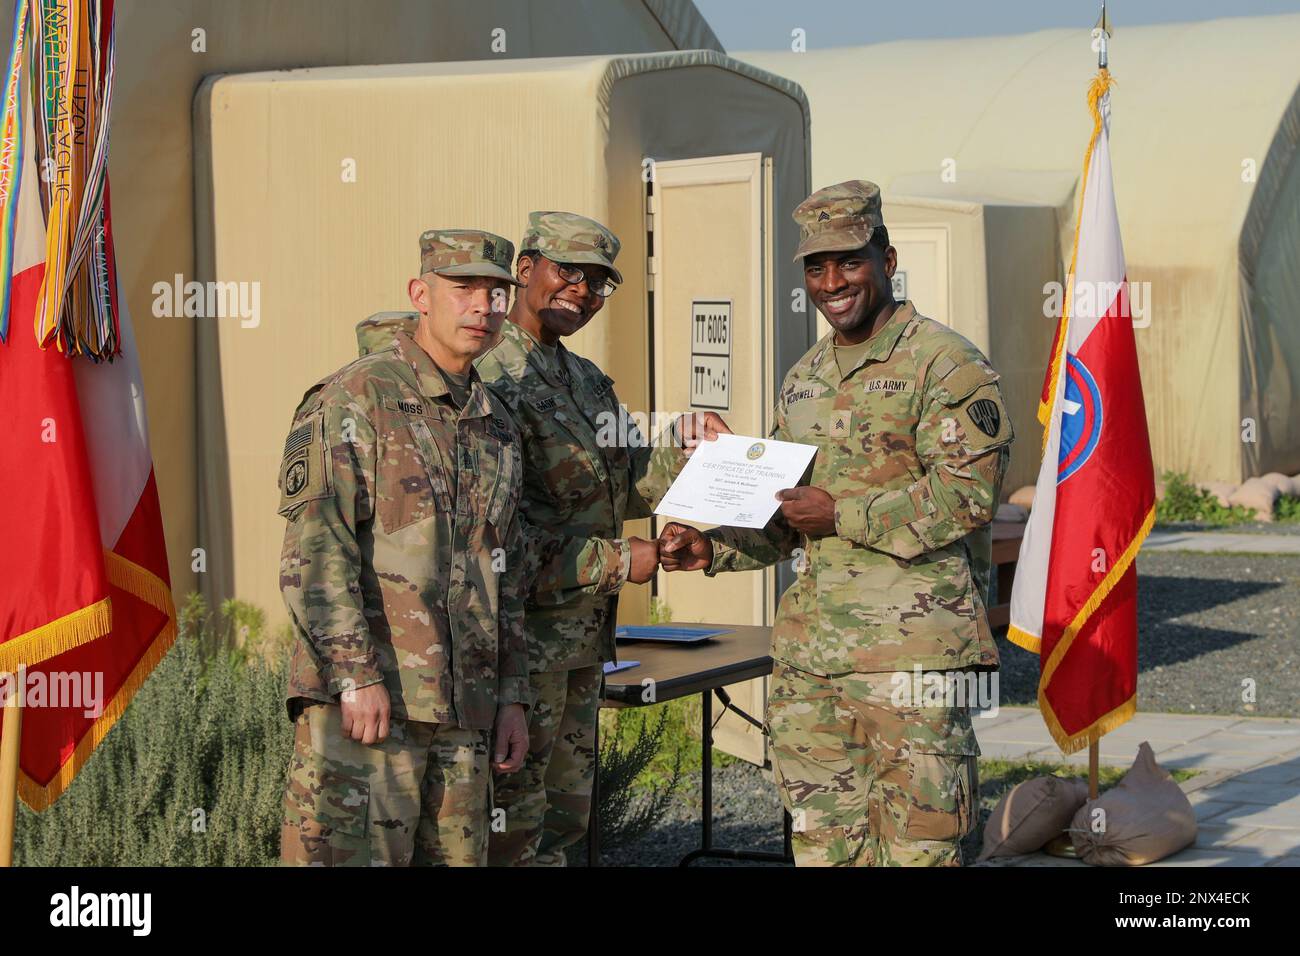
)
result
[(1211, 541), (1246, 793)]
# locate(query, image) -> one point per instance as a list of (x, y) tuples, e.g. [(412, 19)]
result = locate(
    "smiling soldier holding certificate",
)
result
[(892, 543)]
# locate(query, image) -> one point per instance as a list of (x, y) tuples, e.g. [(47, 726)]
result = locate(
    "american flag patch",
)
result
[(299, 438)]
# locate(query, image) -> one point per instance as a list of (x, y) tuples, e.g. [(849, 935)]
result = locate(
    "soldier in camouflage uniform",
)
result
[(402, 573), (892, 543), (586, 469)]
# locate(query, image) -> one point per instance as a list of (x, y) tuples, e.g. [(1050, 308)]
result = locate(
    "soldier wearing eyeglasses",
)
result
[(586, 470)]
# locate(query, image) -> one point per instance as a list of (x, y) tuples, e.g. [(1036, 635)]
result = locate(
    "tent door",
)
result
[(710, 271)]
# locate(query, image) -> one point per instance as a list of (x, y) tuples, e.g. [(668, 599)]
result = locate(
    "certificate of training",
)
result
[(733, 481)]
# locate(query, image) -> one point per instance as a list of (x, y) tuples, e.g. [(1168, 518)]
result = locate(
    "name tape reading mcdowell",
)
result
[(711, 354)]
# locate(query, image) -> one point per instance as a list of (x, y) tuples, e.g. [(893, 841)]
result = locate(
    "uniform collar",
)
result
[(878, 348), (554, 370), (431, 382)]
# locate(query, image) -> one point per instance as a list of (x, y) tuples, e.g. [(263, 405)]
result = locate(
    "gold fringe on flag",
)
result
[(1070, 743), (138, 581), (1066, 741), (62, 634), (151, 589)]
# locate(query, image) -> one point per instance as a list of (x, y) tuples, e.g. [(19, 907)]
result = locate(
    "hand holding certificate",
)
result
[(734, 480)]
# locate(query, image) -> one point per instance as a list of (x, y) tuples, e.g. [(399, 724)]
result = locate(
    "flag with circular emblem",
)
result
[(1074, 601)]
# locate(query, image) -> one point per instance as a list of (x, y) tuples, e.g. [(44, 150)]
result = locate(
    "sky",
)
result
[(767, 24)]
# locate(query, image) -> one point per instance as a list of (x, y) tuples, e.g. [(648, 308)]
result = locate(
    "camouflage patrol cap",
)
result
[(568, 237), (838, 218), (466, 252)]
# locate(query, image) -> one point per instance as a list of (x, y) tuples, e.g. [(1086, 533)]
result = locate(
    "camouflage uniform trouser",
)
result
[(548, 800), (869, 783), (420, 797)]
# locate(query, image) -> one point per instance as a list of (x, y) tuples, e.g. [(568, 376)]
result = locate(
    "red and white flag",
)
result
[(85, 596), (1074, 602)]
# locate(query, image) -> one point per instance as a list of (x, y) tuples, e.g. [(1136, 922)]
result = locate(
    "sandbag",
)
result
[(1011, 513), (1146, 818), (1024, 498), (1257, 495), (1278, 481), (1031, 813)]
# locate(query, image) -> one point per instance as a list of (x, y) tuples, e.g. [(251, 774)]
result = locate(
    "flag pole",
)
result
[(10, 736), (1094, 753), (1102, 32)]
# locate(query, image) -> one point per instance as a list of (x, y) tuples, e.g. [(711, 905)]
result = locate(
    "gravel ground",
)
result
[(1206, 622), (746, 813)]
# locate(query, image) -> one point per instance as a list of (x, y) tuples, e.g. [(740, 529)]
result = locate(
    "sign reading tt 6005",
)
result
[(710, 367)]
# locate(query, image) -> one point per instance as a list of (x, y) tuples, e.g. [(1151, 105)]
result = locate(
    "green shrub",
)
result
[(1184, 501), (626, 811), (193, 773), (1287, 508), (660, 612)]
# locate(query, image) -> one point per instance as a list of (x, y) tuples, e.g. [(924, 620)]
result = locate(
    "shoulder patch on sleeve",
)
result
[(983, 418), (304, 474)]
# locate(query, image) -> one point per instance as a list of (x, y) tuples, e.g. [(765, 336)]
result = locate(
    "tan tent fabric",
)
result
[(159, 68), (1197, 108), (475, 143)]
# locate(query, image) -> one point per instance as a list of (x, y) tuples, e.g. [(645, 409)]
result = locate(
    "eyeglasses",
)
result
[(574, 276)]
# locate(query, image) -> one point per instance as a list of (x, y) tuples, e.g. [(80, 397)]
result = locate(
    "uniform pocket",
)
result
[(943, 773), (850, 592), (933, 599), (806, 420), (404, 490), (941, 805), (618, 463), (326, 817), (507, 466)]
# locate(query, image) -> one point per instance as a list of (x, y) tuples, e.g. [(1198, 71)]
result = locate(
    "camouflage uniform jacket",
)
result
[(580, 482), (912, 443), (403, 556)]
